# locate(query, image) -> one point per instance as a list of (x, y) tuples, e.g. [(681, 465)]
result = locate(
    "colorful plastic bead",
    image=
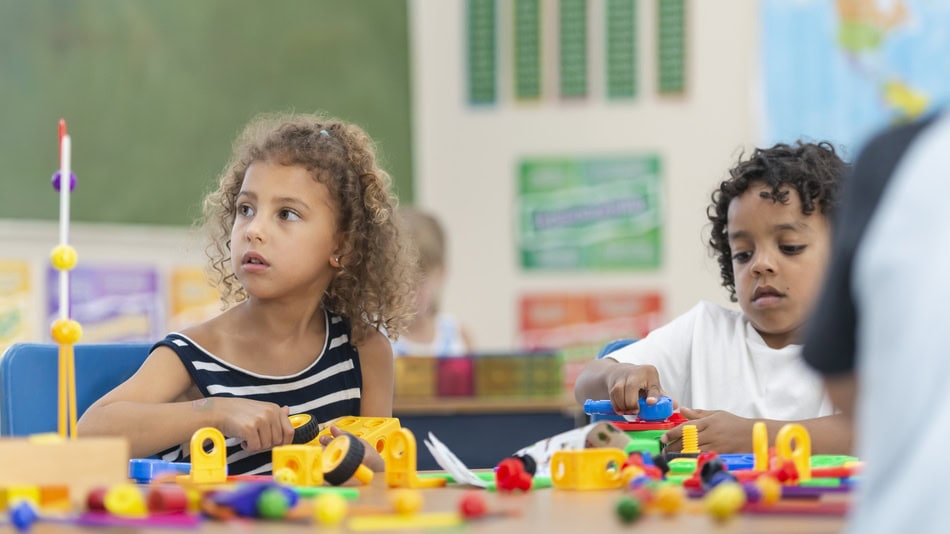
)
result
[(725, 500), (272, 504), (125, 500), (23, 515), (472, 505), (57, 179), (669, 499), (771, 489), (63, 257), (628, 509), (66, 331), (406, 501), (329, 509)]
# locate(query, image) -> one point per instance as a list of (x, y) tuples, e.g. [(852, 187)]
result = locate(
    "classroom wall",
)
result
[(464, 163), (465, 157)]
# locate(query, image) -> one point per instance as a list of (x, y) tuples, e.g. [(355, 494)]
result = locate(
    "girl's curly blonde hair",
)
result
[(374, 287)]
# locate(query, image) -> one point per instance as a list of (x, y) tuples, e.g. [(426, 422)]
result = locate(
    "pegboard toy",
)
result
[(587, 469), (375, 430), (298, 465)]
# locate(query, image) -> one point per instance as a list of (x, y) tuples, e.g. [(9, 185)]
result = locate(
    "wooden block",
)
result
[(80, 464)]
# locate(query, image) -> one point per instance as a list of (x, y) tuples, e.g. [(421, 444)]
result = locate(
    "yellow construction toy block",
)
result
[(11, 495), (587, 469), (401, 463), (298, 465), (375, 430), (209, 467)]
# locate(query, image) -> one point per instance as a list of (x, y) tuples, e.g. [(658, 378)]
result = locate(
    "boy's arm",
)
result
[(622, 383), (726, 433), (376, 399)]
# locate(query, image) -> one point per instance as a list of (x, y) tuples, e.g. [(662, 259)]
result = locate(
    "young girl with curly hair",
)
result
[(307, 248), (771, 230)]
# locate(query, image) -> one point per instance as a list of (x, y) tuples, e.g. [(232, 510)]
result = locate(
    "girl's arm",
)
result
[(376, 362), (153, 411), (150, 407)]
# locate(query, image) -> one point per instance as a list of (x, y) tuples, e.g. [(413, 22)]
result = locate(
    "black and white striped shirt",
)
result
[(328, 388)]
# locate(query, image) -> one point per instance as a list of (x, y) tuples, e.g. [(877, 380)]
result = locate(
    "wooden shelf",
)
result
[(477, 405)]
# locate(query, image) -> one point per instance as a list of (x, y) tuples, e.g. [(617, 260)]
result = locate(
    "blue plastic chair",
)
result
[(29, 392), (612, 346)]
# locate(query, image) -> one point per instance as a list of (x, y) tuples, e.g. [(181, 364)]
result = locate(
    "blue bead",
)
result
[(23, 516)]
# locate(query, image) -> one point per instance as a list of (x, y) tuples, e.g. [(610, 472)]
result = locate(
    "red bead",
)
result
[(472, 505)]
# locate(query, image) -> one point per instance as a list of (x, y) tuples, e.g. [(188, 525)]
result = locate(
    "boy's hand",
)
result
[(627, 383), (371, 457), (259, 425), (718, 431)]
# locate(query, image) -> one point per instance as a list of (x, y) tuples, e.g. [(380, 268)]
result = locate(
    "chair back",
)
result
[(29, 381)]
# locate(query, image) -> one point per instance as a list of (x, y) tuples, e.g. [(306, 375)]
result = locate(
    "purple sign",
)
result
[(111, 303)]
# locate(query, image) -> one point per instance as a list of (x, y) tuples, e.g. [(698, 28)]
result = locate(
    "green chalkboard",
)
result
[(155, 91)]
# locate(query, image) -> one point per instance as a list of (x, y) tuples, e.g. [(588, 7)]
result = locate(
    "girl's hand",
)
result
[(718, 431), (627, 383), (371, 457), (259, 425)]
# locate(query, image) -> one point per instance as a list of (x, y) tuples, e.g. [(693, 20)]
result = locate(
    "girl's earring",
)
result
[(337, 262)]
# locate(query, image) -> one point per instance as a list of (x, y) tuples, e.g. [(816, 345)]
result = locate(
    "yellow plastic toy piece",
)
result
[(760, 447), (587, 469), (11, 495), (690, 440), (375, 430), (303, 462), (400, 521), (340, 458), (801, 454), (207, 467), (125, 500), (401, 463)]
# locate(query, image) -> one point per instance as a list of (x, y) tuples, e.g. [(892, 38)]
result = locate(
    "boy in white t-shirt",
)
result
[(728, 369)]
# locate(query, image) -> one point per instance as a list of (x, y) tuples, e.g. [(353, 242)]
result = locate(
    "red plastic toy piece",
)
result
[(472, 505), (629, 426), (511, 475)]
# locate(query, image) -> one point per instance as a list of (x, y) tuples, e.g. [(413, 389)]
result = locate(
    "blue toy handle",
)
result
[(660, 411), (598, 407)]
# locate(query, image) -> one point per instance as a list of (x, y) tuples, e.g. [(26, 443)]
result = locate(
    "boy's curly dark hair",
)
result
[(812, 169), (374, 287)]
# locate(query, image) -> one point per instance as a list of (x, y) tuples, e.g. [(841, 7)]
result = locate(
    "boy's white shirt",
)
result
[(712, 358)]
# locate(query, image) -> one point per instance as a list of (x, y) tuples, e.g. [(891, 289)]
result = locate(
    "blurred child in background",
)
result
[(431, 332)]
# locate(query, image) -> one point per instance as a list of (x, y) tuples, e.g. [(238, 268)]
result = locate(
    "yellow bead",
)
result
[(669, 499), (406, 501), (329, 509), (125, 500), (771, 489), (65, 331), (629, 473), (63, 257), (285, 476), (725, 500)]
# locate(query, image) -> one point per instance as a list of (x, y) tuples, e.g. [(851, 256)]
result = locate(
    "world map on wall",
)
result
[(841, 70)]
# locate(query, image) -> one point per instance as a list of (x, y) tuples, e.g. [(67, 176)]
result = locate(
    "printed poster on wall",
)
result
[(580, 324), (193, 299), (16, 309), (112, 303), (589, 214)]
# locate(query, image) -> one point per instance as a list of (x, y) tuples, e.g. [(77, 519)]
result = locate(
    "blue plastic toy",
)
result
[(660, 411)]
